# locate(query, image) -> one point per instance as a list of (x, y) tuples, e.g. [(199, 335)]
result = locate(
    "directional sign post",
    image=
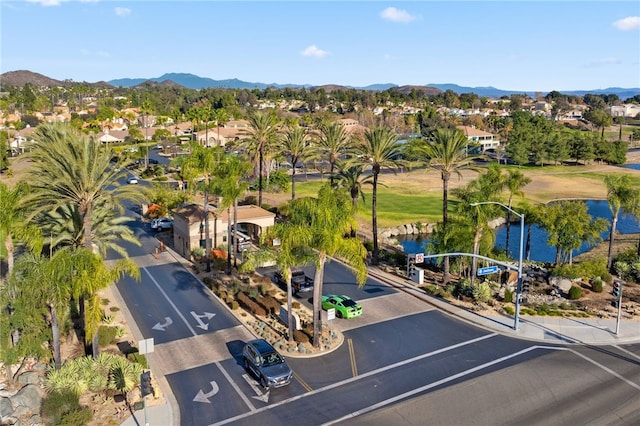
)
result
[(487, 270)]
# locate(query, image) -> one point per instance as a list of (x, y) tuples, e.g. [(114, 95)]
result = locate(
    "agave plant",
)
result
[(124, 376)]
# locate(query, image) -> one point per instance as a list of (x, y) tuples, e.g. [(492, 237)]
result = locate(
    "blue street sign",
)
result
[(488, 270)]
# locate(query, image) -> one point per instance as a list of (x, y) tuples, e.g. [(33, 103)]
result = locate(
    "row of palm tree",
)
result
[(72, 206)]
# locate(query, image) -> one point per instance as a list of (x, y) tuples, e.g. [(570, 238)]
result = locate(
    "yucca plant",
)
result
[(124, 376)]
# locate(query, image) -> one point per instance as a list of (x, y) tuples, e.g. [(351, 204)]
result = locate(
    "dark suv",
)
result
[(300, 282), (266, 364)]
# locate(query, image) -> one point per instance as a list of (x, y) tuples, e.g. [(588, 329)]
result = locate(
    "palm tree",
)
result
[(292, 251), (621, 195), (231, 183), (14, 223), (220, 116), (351, 177), (378, 148), (201, 164), (297, 147), (263, 131), (333, 143), (514, 181), (71, 169), (146, 109), (54, 289), (329, 218), (446, 152), (64, 228)]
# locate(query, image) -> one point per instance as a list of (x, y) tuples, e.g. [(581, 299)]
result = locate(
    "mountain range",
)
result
[(191, 81)]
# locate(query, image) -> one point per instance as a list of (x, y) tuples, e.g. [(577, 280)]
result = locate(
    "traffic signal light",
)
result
[(412, 269), (145, 384), (617, 288)]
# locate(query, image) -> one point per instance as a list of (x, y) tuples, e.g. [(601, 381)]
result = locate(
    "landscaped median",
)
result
[(262, 307)]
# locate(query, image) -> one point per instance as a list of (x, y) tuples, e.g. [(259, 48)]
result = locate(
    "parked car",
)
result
[(153, 161), (300, 282), (132, 180), (345, 306), (266, 364), (162, 223)]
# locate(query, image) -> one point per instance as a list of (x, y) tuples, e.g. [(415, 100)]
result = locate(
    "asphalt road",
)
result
[(402, 362)]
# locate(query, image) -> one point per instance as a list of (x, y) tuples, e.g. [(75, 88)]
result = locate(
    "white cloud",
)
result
[(314, 51), (628, 23), (396, 15), (104, 54), (47, 2), (122, 11)]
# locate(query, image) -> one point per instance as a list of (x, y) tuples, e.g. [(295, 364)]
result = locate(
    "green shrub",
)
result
[(597, 285), (138, 358), (106, 335), (575, 293), (508, 295), (63, 408), (233, 305), (114, 309), (509, 310)]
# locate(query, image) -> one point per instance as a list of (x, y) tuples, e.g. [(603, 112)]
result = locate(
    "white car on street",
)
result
[(162, 223)]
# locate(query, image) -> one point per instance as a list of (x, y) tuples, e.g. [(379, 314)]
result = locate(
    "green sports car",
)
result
[(345, 306)]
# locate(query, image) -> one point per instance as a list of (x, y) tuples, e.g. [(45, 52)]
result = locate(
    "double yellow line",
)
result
[(352, 358)]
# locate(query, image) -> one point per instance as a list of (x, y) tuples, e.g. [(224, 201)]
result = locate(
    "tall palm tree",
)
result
[(333, 143), (446, 152), (621, 195), (220, 116), (198, 168), (514, 181), (379, 149), (71, 169), (329, 218), (263, 132), (292, 251), (296, 146), (64, 228), (230, 183), (146, 110), (14, 223)]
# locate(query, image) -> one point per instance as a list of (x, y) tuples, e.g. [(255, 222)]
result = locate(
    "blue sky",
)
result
[(511, 45)]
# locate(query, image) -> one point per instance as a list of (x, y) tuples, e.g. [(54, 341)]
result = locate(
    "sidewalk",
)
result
[(157, 415), (557, 330)]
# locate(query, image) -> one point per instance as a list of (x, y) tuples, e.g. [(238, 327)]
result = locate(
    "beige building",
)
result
[(189, 225)]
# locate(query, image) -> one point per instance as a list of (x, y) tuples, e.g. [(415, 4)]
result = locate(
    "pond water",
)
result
[(540, 250)]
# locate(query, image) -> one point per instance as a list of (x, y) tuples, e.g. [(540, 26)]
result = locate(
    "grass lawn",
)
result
[(416, 196)]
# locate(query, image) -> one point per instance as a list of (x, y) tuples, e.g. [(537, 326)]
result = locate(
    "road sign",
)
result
[(488, 270), (419, 257), (331, 314)]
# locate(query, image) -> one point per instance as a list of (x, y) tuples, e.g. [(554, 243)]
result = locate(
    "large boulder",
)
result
[(6, 408), (29, 396)]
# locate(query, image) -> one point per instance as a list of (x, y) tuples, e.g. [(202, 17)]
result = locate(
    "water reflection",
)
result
[(540, 250)]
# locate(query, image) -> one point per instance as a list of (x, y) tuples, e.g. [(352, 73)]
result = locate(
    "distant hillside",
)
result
[(492, 92), (22, 77), (191, 81)]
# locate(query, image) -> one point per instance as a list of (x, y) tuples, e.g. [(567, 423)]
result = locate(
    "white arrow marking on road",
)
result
[(204, 397), (201, 324), (257, 389), (167, 322)]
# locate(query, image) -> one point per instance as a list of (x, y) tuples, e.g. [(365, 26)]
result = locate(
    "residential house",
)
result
[(486, 140)]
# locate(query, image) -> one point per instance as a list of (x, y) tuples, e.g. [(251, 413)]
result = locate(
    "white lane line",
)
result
[(222, 370), (607, 369), (353, 379), (236, 387), (175, 308), (429, 386), (631, 354)]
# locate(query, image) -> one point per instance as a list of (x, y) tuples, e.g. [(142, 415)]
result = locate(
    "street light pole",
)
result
[(519, 283)]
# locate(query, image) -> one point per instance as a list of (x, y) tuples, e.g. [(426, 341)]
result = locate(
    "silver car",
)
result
[(266, 364)]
